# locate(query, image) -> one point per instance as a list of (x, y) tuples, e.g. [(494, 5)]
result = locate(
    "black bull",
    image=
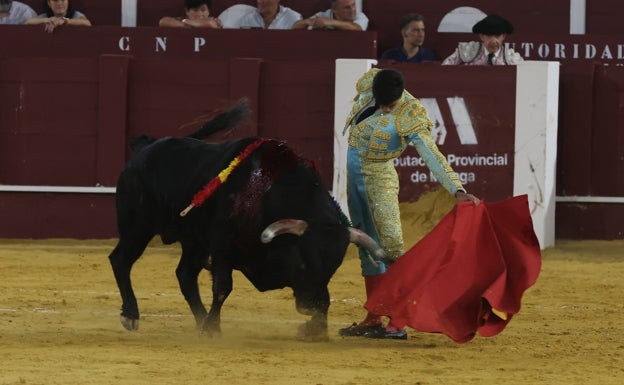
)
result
[(271, 219)]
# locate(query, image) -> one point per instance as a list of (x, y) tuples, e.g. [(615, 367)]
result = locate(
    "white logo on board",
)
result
[(460, 116)]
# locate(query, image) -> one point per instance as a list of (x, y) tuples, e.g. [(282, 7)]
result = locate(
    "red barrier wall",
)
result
[(68, 106), (161, 43), (53, 215), (78, 137), (33, 150), (142, 74)]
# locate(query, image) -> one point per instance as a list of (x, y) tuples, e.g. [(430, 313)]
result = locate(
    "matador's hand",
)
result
[(462, 196)]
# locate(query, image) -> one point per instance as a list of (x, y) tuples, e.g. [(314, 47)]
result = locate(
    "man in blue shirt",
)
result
[(411, 50)]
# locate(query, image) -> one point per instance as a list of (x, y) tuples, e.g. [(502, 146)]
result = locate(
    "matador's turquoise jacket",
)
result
[(372, 181)]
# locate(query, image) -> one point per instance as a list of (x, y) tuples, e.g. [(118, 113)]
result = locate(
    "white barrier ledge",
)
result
[(58, 189), (590, 199), (112, 190)]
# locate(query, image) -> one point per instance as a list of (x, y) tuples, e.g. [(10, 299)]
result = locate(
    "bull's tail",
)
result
[(227, 119)]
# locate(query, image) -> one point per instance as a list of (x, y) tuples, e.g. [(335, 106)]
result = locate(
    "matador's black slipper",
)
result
[(357, 331)]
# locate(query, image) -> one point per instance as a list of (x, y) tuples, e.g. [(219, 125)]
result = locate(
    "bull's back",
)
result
[(175, 168), (161, 179)]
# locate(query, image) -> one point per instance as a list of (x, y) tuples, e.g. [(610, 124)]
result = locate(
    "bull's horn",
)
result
[(283, 226), (360, 238)]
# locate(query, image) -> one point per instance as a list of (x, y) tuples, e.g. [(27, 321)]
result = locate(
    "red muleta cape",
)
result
[(486, 252)]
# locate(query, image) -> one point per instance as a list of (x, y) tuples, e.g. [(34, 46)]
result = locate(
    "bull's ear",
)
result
[(283, 226)]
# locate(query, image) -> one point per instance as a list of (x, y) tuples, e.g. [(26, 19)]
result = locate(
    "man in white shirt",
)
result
[(343, 15), (14, 12), (491, 50), (269, 14)]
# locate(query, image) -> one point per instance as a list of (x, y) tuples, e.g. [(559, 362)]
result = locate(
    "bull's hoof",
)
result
[(313, 332), (209, 328), (129, 323)]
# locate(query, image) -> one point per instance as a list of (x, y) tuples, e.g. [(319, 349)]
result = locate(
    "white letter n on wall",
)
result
[(161, 44)]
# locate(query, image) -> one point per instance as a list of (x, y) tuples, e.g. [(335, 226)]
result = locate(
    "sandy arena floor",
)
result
[(59, 324)]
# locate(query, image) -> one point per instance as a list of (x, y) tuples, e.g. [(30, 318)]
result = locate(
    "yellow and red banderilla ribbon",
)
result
[(217, 181)]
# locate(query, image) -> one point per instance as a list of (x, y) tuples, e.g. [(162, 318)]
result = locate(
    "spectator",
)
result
[(491, 50), (58, 13), (343, 15), (269, 14), (230, 17), (385, 118), (14, 12), (411, 50), (197, 16)]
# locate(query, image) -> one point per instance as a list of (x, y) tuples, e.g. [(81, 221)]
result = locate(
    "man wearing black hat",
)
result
[(491, 50)]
